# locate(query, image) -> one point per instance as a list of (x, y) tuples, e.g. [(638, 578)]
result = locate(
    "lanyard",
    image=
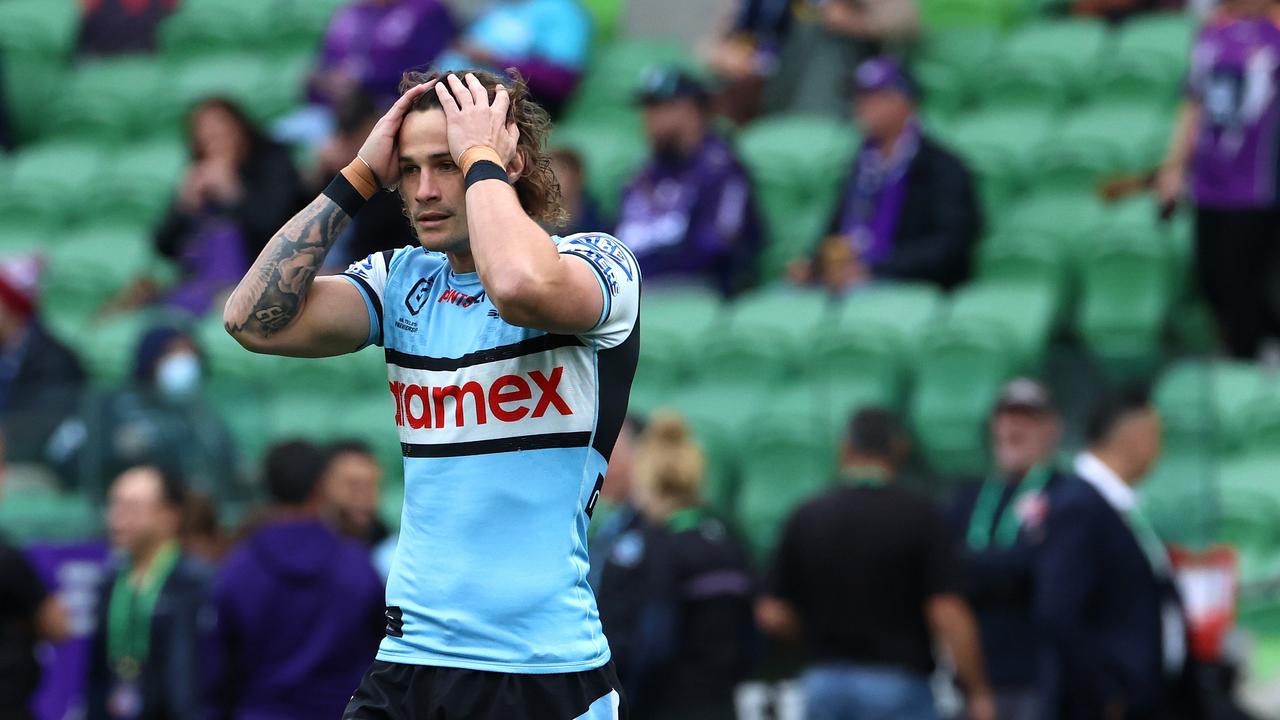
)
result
[(981, 533), (130, 611), (685, 520)]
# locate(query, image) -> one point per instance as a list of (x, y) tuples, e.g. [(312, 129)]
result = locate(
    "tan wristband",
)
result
[(361, 178), (475, 154)]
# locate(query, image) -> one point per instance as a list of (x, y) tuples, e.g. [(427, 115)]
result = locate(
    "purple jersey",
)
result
[(374, 42), (1235, 74)]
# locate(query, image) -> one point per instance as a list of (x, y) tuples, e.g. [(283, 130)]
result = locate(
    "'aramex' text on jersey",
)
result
[(509, 398)]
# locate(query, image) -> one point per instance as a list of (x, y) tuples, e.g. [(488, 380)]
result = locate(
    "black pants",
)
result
[(1236, 253), (395, 691)]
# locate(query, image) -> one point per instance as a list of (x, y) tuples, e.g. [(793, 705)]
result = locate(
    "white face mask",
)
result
[(178, 375)]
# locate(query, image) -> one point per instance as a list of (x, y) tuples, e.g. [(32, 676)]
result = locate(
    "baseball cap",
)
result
[(883, 73), (665, 83), (1025, 393)]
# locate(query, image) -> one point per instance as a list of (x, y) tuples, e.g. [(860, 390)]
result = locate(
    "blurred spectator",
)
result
[(1105, 591), (238, 190), (120, 27), (546, 40), (675, 590), (866, 574), (909, 210), (999, 523), (690, 212), (40, 378), (791, 57), (148, 654), (381, 224), (584, 216), (202, 536), (29, 614), (350, 492), (159, 419), (1224, 150), (307, 665), (368, 45)]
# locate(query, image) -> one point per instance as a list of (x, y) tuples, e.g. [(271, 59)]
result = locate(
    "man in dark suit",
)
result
[(1104, 585), (909, 209), (999, 524)]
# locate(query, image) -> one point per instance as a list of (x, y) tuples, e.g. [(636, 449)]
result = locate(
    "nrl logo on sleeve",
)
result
[(418, 295)]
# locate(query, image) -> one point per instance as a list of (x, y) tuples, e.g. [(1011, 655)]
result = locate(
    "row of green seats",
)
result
[(1058, 63), (1231, 407), (129, 185)]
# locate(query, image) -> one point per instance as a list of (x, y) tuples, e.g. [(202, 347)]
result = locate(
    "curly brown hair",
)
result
[(537, 187)]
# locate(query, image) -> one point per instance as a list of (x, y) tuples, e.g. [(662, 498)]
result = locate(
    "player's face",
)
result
[(431, 184), (1021, 439)]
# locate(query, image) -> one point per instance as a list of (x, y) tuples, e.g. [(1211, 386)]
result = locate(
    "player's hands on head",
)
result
[(381, 150), (473, 118)]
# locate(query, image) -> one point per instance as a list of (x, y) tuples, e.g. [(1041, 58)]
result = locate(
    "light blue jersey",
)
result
[(506, 432)]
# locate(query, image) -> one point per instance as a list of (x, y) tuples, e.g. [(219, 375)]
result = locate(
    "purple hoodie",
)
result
[(300, 616)]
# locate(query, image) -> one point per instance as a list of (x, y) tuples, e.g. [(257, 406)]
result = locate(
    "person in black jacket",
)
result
[(40, 378), (146, 655), (676, 589), (1105, 591), (999, 523), (238, 190), (909, 209)]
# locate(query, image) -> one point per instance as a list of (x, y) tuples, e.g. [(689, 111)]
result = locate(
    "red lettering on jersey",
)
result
[(549, 395), (459, 414), (397, 390), (498, 397), (417, 422)]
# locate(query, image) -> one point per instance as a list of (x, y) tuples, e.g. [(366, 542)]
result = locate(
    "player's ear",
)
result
[(516, 167)]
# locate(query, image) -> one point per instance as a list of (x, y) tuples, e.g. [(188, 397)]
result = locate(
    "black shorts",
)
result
[(396, 691)]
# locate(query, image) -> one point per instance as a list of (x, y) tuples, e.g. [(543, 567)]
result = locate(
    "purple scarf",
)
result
[(874, 196)]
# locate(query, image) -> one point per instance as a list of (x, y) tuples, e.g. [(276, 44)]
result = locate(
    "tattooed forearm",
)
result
[(273, 291)]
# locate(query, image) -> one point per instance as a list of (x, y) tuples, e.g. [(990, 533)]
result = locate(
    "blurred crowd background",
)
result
[(917, 243)]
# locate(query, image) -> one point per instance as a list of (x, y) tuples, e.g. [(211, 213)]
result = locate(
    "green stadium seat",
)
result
[(108, 100), (719, 415), (1261, 423), (784, 463), (44, 28), (305, 21), (967, 49), (1147, 60), (617, 69), (324, 417), (864, 354), (57, 517), (91, 264), (23, 236), (1099, 141), (793, 161), (763, 337), (1020, 314), (42, 177), (1183, 472), (998, 146), (1208, 402), (1018, 257), (611, 155), (1127, 290), (958, 372), (676, 321), (1069, 219), (241, 77), (138, 187), (606, 17), (203, 26), (953, 14), (1044, 64)]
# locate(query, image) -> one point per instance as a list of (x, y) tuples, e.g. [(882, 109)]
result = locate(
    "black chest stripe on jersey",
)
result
[(542, 343), (500, 445)]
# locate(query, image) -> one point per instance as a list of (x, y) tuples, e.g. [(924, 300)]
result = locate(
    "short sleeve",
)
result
[(21, 591), (370, 278), (619, 274)]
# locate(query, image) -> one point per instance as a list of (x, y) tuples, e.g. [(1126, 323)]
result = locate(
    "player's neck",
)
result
[(461, 261)]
